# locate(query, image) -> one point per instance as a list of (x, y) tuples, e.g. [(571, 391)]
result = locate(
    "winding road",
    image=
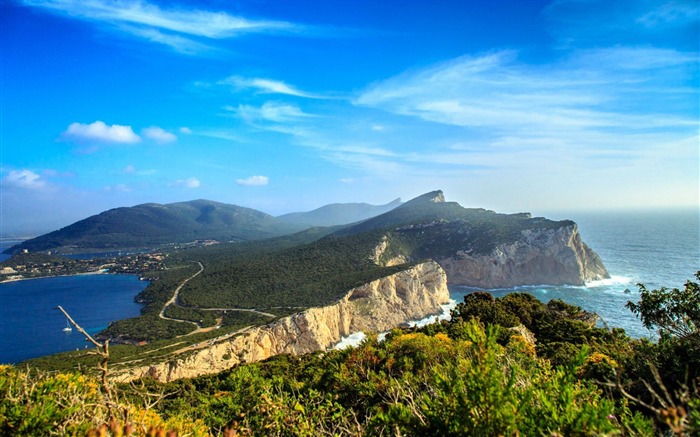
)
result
[(174, 301)]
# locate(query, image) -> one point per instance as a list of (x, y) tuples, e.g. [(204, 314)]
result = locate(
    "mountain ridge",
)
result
[(339, 213)]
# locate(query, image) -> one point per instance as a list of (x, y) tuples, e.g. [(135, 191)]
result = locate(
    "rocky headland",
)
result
[(548, 256)]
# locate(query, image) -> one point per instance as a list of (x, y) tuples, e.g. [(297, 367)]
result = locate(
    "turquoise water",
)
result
[(32, 326)]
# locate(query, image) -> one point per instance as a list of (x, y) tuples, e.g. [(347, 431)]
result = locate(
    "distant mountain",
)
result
[(338, 214), (153, 224)]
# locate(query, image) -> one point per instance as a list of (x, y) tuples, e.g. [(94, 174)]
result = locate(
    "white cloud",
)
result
[(253, 181), (158, 135), (188, 183), (185, 130), (24, 179), (267, 86), (270, 111), (101, 133), (129, 169)]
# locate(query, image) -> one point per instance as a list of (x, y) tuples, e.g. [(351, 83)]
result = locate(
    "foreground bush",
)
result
[(72, 404)]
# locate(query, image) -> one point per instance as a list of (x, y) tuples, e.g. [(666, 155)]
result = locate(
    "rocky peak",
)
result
[(438, 198), (425, 199)]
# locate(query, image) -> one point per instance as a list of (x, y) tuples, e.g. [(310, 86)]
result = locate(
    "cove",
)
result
[(31, 326)]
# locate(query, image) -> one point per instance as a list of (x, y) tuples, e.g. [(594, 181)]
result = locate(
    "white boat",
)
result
[(67, 328)]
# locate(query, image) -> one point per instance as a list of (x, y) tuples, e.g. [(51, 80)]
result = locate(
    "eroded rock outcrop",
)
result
[(380, 305), (544, 256)]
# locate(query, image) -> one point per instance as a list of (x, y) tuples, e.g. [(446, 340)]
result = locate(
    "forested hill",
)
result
[(153, 224), (339, 213)]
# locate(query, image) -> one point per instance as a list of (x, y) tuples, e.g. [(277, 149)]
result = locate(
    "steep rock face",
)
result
[(550, 256), (378, 306)]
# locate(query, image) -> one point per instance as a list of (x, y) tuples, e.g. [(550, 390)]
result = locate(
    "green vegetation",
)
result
[(303, 276), (472, 375), (63, 404), (278, 276)]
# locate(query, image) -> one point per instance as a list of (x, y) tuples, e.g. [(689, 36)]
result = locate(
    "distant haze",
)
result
[(288, 106)]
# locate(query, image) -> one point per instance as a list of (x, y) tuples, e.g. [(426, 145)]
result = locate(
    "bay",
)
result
[(32, 326)]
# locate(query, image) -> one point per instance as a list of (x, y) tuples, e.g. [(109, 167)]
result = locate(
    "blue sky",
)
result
[(289, 105)]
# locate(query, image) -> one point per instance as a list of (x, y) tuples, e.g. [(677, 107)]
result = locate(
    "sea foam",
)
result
[(354, 339), (611, 281)]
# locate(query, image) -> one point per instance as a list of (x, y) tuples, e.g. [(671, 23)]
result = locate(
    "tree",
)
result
[(672, 312)]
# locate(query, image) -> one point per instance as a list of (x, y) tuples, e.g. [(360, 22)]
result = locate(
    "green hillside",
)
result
[(151, 224)]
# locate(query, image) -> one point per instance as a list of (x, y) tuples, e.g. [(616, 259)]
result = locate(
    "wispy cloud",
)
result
[(269, 111), (158, 135), (118, 188), (267, 86), (586, 91), (179, 43), (576, 23), (132, 170), (100, 132), (177, 28), (253, 181), (671, 13), (191, 182)]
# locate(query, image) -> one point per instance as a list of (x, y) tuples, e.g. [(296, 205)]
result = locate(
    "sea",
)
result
[(659, 248)]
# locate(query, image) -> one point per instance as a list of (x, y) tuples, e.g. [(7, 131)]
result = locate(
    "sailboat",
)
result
[(67, 328)]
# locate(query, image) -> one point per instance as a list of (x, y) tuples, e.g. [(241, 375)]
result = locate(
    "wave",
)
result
[(443, 315), (352, 340), (613, 280)]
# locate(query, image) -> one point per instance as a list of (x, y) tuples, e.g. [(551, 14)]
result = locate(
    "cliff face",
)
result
[(378, 306), (550, 256)]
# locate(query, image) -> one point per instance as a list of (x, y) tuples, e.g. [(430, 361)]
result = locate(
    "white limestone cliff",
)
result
[(545, 256)]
